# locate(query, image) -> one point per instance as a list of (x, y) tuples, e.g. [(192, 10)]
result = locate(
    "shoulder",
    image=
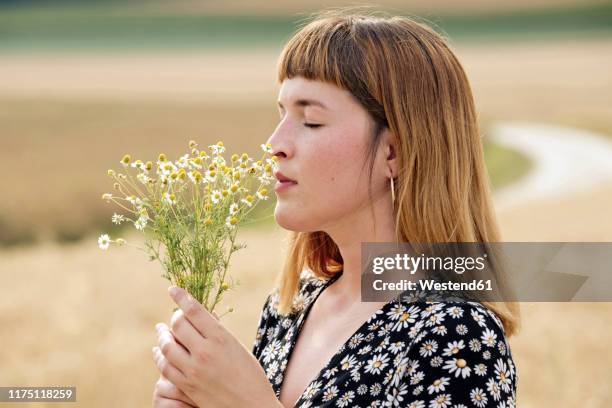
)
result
[(308, 283), (459, 353), (471, 325)]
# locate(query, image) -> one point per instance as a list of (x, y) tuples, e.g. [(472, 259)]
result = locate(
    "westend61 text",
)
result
[(430, 284)]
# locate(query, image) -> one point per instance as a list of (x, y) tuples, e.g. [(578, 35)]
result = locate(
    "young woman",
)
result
[(378, 141)]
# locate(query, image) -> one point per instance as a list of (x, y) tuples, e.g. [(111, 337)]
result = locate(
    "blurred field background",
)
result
[(82, 83)]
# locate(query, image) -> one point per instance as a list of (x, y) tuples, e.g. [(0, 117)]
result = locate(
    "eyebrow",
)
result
[(305, 102)]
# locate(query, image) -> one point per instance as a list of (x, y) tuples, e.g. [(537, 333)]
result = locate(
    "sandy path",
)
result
[(566, 161)]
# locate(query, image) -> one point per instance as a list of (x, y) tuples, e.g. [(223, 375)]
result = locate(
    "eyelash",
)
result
[(312, 125)]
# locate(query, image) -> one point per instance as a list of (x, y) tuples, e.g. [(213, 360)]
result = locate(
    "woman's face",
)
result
[(321, 142)]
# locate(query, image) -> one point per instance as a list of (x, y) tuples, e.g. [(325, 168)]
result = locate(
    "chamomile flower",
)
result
[(195, 176), (134, 200), (210, 175), (166, 168), (233, 208), (248, 200), (262, 194), (142, 211), (217, 148), (216, 196), (170, 198), (104, 241), (143, 178), (266, 147), (219, 161), (138, 164), (107, 196), (265, 180), (231, 221), (258, 165), (117, 218), (125, 161), (141, 223), (196, 163), (183, 161)]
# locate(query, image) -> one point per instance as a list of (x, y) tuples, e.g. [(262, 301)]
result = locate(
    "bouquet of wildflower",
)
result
[(189, 211)]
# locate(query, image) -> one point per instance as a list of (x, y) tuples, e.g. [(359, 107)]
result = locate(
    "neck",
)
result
[(348, 234)]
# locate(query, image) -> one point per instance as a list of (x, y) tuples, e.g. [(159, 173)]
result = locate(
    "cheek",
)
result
[(330, 185), (336, 167)]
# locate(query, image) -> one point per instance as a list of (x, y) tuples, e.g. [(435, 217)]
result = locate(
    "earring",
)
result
[(392, 191)]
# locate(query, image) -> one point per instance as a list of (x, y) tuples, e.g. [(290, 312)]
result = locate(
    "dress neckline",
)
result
[(333, 360)]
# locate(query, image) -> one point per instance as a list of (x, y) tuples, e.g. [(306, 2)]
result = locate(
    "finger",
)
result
[(165, 388), (173, 352), (184, 331), (167, 369), (160, 325), (216, 315), (197, 315)]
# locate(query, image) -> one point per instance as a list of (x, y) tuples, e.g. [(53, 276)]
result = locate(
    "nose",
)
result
[(280, 140)]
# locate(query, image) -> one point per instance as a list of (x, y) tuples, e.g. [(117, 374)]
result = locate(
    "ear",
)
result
[(390, 150)]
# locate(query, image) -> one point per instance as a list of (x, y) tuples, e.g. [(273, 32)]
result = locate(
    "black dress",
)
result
[(407, 354)]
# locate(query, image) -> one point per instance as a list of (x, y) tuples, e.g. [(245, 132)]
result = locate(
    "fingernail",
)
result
[(173, 290)]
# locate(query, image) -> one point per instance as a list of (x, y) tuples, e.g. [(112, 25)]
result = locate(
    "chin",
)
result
[(289, 219)]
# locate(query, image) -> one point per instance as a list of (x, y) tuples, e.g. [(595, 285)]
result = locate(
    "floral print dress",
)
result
[(427, 354)]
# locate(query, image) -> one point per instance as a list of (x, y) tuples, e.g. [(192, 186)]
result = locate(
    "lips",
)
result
[(282, 178)]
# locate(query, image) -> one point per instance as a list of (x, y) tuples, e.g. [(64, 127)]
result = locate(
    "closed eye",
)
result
[(312, 125)]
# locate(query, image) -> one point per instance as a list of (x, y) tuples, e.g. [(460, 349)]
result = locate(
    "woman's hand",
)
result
[(167, 395), (206, 362)]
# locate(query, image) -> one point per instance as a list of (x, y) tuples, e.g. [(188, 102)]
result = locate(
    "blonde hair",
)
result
[(408, 79)]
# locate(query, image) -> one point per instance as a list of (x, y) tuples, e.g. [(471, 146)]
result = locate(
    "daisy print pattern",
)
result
[(409, 353)]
